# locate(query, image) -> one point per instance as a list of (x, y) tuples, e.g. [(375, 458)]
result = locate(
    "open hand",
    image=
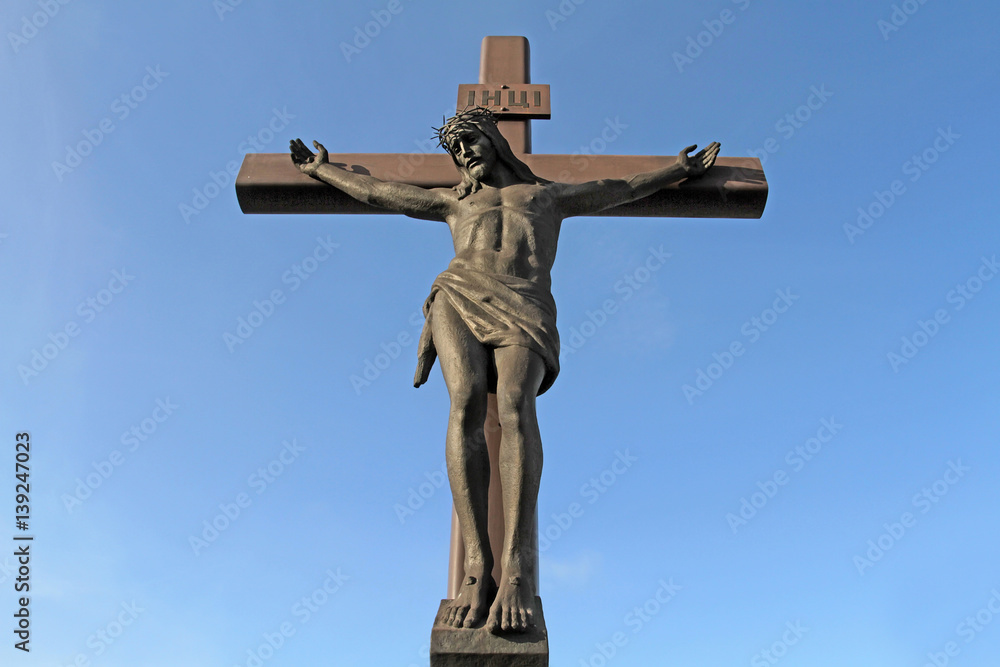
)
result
[(307, 161), (700, 162)]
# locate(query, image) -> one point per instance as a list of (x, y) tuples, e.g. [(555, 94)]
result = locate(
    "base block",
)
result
[(478, 647)]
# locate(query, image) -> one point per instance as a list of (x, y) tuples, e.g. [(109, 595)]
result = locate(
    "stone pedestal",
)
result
[(478, 647)]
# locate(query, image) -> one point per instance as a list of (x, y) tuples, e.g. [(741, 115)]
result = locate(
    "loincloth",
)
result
[(500, 311)]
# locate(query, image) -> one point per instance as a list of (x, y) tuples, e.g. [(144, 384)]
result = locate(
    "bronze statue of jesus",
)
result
[(491, 319)]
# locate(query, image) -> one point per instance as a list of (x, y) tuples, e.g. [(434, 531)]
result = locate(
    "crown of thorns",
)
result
[(466, 119)]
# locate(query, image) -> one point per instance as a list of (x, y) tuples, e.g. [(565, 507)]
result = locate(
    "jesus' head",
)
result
[(475, 144)]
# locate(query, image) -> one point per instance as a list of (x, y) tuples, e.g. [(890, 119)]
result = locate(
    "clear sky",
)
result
[(826, 497)]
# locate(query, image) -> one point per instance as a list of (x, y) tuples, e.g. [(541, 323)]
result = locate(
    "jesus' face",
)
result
[(474, 151)]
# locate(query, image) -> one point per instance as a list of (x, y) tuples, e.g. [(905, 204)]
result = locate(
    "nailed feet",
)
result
[(469, 608), (514, 607)]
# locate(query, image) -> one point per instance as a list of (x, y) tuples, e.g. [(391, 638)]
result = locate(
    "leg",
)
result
[(519, 374), (464, 363)]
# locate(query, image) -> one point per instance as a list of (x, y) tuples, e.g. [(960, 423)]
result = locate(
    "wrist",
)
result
[(312, 169)]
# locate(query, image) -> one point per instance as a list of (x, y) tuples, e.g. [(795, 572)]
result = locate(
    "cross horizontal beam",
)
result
[(734, 188)]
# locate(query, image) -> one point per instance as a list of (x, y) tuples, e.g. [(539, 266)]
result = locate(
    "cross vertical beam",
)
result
[(506, 60)]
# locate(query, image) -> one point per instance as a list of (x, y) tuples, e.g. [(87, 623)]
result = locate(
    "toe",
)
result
[(471, 618), (493, 622)]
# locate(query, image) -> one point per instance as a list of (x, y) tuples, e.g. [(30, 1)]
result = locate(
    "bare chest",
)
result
[(516, 218)]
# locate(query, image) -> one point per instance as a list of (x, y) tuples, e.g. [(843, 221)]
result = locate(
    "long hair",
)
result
[(483, 120)]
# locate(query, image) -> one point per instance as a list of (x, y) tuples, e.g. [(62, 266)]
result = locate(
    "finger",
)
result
[(708, 157), (690, 148)]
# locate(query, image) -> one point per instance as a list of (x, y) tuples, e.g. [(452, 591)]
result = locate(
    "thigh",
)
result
[(465, 362)]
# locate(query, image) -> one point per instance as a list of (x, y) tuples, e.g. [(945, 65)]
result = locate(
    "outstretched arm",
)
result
[(595, 196), (407, 199)]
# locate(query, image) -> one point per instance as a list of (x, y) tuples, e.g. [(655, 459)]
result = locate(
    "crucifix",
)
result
[(490, 315)]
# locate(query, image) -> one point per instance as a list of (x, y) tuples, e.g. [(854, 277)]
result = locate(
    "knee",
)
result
[(468, 402), (514, 407)]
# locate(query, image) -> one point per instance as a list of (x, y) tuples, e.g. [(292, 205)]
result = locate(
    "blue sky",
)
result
[(827, 497)]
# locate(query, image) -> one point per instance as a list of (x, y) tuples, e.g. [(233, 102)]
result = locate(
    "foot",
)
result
[(469, 608), (514, 607)]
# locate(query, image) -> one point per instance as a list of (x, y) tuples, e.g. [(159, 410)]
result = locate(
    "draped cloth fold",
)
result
[(499, 311)]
